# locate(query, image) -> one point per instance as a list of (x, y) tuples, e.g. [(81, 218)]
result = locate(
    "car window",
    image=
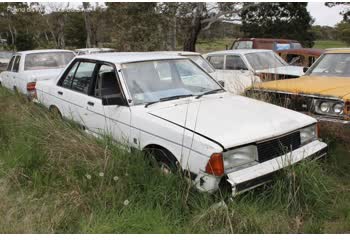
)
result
[(153, 80), (295, 59), (265, 60), (217, 61), (83, 77), (47, 60), (312, 59), (106, 82), (67, 82), (332, 64), (243, 45), (9, 67), (235, 63), (16, 64)]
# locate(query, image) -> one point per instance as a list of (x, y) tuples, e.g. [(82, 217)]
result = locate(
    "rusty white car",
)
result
[(242, 68), (168, 106), (28, 67)]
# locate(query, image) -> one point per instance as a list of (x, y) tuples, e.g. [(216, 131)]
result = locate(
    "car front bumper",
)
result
[(254, 176)]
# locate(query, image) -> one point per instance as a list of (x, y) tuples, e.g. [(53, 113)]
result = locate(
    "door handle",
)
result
[(91, 103), (60, 93)]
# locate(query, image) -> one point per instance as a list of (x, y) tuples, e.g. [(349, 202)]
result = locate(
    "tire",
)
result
[(164, 160), (55, 113)]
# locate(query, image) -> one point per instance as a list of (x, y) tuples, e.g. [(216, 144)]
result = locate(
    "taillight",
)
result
[(31, 89), (215, 165), (31, 86)]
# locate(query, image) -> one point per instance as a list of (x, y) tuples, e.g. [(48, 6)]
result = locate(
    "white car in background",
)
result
[(168, 106), (5, 57), (239, 69), (28, 67), (84, 51)]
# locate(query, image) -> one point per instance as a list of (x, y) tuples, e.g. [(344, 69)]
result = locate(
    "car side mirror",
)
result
[(222, 83), (305, 69), (116, 99)]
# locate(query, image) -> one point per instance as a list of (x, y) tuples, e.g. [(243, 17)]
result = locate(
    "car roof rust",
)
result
[(281, 40)]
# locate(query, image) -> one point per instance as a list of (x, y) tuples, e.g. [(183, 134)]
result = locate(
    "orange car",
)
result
[(324, 90)]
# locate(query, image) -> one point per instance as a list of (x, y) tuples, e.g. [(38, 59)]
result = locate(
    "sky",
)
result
[(323, 15)]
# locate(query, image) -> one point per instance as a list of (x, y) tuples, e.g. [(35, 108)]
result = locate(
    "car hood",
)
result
[(327, 86), (231, 120), (286, 70), (47, 74)]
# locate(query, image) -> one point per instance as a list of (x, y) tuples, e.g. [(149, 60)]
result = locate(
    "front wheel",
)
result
[(166, 161)]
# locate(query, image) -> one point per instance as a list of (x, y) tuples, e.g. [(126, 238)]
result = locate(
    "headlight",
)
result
[(338, 108), (240, 157), (324, 107), (329, 107), (308, 134)]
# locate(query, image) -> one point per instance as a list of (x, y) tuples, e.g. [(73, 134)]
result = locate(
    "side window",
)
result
[(106, 82), (9, 67), (295, 59), (312, 59), (16, 64), (235, 63), (83, 77), (217, 61), (67, 82)]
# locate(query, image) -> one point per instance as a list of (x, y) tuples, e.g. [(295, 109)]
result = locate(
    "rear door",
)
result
[(12, 79), (5, 76), (73, 88)]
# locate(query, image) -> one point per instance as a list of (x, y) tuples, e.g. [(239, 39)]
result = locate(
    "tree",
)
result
[(56, 20), (278, 20), (200, 16), (343, 30), (345, 12)]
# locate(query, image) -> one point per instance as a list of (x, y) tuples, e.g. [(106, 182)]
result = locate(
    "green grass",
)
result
[(323, 44), (220, 44), (51, 182)]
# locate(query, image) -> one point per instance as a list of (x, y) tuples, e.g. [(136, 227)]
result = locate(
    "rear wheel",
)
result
[(55, 113)]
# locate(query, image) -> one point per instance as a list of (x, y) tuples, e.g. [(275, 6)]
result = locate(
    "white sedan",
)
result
[(168, 106), (27, 67), (239, 69)]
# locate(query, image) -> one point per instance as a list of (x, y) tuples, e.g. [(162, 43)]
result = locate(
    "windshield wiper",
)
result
[(209, 92), (168, 99)]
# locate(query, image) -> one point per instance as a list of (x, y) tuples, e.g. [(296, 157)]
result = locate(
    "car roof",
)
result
[(281, 40), (44, 51), (94, 49), (180, 53), (127, 57), (240, 51), (338, 50)]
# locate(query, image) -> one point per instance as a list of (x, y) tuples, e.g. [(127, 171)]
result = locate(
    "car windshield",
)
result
[(6, 55), (265, 60), (152, 81), (332, 64), (243, 45), (48, 60), (202, 63)]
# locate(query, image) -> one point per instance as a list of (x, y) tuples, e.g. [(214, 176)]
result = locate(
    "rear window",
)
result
[(243, 45), (51, 60)]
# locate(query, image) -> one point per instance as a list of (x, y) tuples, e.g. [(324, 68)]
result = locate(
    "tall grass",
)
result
[(54, 178)]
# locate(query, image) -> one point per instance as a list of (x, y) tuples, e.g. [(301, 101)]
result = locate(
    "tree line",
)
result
[(148, 26)]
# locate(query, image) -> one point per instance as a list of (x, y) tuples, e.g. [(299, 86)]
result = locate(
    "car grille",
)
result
[(279, 146)]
